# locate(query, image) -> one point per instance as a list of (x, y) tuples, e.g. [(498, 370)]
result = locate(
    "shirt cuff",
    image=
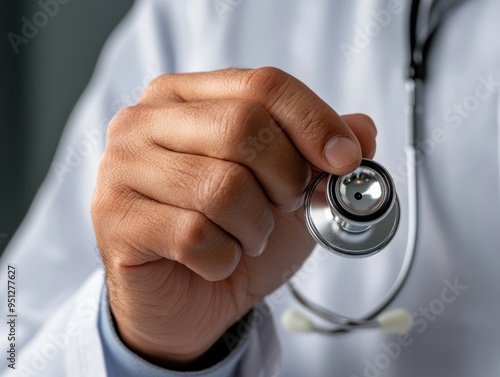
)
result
[(121, 361)]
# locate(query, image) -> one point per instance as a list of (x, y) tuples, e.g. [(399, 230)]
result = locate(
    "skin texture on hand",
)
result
[(198, 203)]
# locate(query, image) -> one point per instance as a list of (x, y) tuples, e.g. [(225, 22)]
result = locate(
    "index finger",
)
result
[(317, 131)]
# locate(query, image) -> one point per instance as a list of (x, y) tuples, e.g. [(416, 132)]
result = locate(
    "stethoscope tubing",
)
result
[(345, 323), (419, 46)]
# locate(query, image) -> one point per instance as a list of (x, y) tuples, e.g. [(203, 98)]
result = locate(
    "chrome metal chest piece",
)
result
[(355, 215)]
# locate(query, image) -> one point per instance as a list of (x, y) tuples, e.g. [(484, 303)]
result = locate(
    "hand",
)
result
[(198, 203)]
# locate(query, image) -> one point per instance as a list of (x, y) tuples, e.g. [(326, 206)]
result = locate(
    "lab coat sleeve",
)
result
[(59, 275)]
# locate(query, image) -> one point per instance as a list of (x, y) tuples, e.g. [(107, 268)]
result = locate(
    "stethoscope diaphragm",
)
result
[(355, 215)]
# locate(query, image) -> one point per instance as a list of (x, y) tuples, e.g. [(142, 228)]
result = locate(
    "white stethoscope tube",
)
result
[(396, 320)]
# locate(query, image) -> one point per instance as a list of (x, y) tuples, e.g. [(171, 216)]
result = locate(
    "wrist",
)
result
[(161, 342), (201, 357)]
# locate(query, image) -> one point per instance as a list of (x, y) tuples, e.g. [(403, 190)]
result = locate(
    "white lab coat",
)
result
[(338, 50)]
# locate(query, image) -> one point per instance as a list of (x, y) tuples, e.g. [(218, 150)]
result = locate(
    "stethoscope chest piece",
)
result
[(355, 215)]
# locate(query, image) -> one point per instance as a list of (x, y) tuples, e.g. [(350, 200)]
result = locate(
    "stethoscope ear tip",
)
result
[(397, 321), (296, 321)]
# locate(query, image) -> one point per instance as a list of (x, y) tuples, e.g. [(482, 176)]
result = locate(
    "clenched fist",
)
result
[(198, 204)]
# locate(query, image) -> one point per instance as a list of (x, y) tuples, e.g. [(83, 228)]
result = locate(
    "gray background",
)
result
[(38, 88)]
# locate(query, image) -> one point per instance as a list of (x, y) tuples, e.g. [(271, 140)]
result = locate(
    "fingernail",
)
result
[(341, 151)]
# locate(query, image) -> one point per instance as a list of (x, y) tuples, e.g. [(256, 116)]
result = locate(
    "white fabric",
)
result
[(355, 59)]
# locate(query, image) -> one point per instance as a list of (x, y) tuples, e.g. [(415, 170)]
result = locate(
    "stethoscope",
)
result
[(357, 215)]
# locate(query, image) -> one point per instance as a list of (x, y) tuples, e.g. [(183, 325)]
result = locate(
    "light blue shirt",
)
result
[(354, 55), (121, 361)]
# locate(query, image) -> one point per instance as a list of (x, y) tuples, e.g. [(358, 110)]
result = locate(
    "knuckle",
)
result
[(193, 234), (121, 122), (245, 113), (107, 203), (108, 217), (240, 119), (264, 223), (127, 122), (244, 129), (98, 208), (264, 83), (158, 82), (129, 223), (127, 136), (99, 201), (111, 170), (160, 85), (314, 120), (197, 245), (226, 185), (301, 178)]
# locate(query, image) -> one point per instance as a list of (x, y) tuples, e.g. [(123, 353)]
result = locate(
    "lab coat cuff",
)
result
[(121, 361)]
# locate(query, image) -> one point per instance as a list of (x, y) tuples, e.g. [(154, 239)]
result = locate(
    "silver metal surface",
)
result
[(362, 192), (346, 324), (355, 215)]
